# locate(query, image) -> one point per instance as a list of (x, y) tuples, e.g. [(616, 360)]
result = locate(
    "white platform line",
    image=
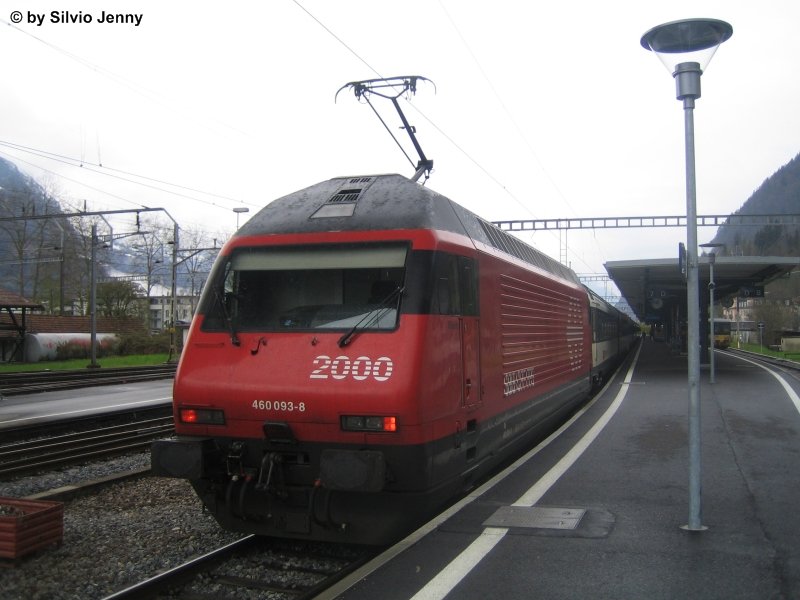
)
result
[(452, 574)]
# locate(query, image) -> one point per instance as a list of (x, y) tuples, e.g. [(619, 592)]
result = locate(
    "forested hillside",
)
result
[(778, 195), (38, 257)]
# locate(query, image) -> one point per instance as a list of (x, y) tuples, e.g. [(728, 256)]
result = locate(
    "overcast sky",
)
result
[(540, 110)]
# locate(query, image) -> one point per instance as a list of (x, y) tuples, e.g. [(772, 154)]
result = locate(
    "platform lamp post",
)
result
[(711, 285), (239, 210), (685, 47), (173, 305)]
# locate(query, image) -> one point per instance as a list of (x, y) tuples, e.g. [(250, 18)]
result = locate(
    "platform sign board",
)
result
[(751, 291)]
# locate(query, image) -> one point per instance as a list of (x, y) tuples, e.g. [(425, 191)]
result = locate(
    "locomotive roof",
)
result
[(375, 202)]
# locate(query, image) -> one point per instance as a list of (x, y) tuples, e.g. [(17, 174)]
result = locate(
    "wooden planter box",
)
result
[(28, 525)]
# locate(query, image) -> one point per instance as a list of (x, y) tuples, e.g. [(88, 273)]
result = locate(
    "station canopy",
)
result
[(654, 287)]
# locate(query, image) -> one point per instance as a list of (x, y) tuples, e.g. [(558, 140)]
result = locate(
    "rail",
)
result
[(42, 381), (51, 452), (288, 570)]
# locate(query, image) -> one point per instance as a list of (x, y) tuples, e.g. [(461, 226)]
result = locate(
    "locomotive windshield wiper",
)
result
[(228, 320), (373, 316)]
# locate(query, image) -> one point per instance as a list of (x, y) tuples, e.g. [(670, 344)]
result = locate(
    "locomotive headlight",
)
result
[(202, 416), (368, 423)]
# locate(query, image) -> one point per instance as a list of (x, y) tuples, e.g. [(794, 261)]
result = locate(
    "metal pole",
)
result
[(711, 317), (61, 257), (738, 324), (93, 300), (173, 304), (687, 77), (61, 279)]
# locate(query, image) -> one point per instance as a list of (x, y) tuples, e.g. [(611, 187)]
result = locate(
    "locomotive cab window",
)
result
[(456, 285), (310, 287)]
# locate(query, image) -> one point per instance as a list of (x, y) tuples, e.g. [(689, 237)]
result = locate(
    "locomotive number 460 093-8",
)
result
[(344, 367), (281, 405)]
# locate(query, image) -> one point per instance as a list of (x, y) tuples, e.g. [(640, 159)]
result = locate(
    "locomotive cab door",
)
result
[(469, 322), (457, 296), (470, 359)]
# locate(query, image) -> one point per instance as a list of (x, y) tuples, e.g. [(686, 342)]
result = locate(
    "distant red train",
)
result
[(366, 348)]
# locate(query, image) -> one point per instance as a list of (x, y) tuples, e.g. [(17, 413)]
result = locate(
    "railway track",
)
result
[(43, 381), (23, 457), (254, 567)]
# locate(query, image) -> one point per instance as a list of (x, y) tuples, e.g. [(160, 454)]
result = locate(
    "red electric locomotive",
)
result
[(364, 349)]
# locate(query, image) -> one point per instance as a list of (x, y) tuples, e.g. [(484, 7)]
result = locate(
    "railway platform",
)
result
[(596, 510), (48, 408)]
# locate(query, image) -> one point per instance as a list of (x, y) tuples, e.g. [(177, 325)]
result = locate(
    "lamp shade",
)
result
[(686, 41)]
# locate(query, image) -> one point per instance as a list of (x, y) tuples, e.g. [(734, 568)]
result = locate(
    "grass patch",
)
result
[(134, 360), (766, 351)]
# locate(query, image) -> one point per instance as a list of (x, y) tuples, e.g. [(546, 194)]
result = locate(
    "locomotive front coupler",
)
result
[(270, 463)]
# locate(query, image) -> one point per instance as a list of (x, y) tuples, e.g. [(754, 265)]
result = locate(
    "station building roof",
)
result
[(652, 287), (11, 300)]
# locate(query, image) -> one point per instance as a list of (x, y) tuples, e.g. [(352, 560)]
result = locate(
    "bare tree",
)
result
[(22, 234), (49, 237), (152, 257), (197, 255), (79, 274)]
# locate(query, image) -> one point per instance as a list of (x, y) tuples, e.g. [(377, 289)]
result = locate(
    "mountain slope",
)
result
[(779, 194)]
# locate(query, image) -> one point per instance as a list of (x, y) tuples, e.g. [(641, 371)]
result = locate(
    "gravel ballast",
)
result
[(114, 538)]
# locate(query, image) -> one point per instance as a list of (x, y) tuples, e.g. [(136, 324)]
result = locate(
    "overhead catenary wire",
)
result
[(516, 127), (337, 38), (86, 165), (122, 81), (86, 185), (103, 170), (80, 183)]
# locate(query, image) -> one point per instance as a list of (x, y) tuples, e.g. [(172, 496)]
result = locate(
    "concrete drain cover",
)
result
[(536, 517)]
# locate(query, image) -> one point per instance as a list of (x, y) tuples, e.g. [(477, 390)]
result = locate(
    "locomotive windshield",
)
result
[(308, 287)]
